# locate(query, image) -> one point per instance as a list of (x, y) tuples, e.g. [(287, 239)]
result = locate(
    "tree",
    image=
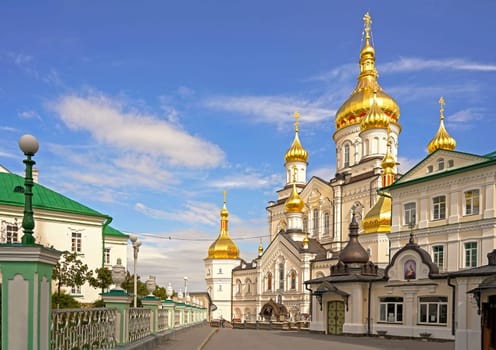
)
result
[(70, 272), (102, 280), (65, 301)]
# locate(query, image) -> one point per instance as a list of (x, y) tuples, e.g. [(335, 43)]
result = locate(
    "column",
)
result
[(152, 303), (119, 300)]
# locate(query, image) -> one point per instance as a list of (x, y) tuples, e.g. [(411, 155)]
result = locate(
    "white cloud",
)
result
[(325, 173), (463, 119), (405, 164), (249, 181), (409, 64), (271, 109), (192, 212), (110, 124)]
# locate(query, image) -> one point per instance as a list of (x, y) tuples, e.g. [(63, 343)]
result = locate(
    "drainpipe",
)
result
[(368, 308), (107, 222), (453, 303)]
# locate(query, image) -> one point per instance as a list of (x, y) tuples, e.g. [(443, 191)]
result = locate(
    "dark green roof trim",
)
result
[(43, 197), (445, 173), (110, 231)]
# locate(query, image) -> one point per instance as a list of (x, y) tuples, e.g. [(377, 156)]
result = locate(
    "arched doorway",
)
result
[(335, 317)]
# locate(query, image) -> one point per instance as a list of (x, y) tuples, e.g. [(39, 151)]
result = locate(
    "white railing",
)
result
[(83, 329), (177, 318), (163, 319), (139, 323)]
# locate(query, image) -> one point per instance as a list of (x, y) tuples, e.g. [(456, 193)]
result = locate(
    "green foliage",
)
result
[(64, 301), (99, 303), (128, 285), (70, 272), (102, 280)]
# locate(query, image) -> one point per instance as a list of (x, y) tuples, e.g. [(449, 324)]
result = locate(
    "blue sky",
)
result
[(148, 110)]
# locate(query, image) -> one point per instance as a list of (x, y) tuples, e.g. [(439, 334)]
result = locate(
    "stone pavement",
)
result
[(206, 338)]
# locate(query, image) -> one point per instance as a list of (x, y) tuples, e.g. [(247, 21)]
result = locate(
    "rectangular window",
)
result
[(107, 255), (471, 254), (11, 233), (76, 242), (410, 213), (346, 156), (391, 310), (472, 202), (76, 290), (281, 276), (433, 310), (326, 222), (438, 255), (315, 221), (439, 207)]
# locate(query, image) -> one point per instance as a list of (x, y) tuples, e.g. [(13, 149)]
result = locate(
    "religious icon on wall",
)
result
[(410, 269)]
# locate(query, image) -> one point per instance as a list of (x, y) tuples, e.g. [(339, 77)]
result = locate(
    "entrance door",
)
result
[(335, 317), (489, 324)]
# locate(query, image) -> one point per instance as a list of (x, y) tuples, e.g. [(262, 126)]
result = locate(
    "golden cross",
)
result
[(296, 116), (441, 110), (295, 171), (367, 21), (225, 195)]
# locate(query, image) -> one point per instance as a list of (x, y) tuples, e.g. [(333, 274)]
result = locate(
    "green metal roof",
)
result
[(12, 193), (110, 231)]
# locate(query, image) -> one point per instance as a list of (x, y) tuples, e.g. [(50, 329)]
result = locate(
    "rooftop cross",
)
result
[(367, 20), (441, 110), (296, 116)]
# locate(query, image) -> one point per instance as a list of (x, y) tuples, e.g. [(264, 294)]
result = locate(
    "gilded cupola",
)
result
[(378, 218), (223, 247), (442, 140), (296, 153), (375, 118), (356, 107), (294, 204)]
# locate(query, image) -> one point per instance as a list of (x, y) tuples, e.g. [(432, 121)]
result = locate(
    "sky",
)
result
[(147, 110)]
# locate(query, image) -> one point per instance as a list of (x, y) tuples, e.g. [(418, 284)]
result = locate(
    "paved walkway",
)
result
[(206, 338)]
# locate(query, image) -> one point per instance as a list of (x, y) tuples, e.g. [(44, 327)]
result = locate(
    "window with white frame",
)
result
[(391, 309), (470, 254), (315, 221), (346, 156), (410, 210), (439, 207), (433, 310), (11, 231), (76, 290), (76, 242), (107, 255), (472, 202), (438, 255)]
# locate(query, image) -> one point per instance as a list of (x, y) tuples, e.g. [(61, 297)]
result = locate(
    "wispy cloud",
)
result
[(409, 64), (325, 173), (192, 212), (247, 181), (406, 164), (112, 123), (270, 109), (464, 119)]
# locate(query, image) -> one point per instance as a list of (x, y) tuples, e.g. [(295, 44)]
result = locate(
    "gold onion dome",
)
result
[(223, 247), (442, 140), (294, 204), (356, 107), (296, 153), (376, 118)]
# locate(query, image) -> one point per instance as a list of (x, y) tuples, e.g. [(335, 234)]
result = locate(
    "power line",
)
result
[(210, 239)]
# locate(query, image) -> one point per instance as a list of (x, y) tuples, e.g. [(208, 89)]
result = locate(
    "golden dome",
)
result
[(223, 247), (356, 107), (294, 204), (296, 153), (376, 118), (260, 248), (378, 219), (442, 140)]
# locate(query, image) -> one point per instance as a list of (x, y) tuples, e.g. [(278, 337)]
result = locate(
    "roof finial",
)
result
[(225, 196), (441, 109), (296, 116), (367, 20)]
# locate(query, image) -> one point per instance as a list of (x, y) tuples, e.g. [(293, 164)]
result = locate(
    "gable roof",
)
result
[(418, 173), (110, 231), (12, 193)]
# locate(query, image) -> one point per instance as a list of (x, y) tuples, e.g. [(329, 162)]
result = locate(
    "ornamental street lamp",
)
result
[(136, 244), (29, 146)]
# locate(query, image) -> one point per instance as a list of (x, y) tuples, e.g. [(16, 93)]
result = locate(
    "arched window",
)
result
[(293, 279), (269, 281), (326, 222), (315, 221), (281, 276), (346, 156)]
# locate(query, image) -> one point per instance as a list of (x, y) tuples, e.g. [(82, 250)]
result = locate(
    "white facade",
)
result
[(219, 285)]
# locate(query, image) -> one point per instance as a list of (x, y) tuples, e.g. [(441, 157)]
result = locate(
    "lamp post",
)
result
[(136, 244), (29, 146), (185, 288)]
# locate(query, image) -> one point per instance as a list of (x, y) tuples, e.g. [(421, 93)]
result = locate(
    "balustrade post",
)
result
[(26, 295), (180, 308), (170, 306), (119, 300), (152, 303)]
